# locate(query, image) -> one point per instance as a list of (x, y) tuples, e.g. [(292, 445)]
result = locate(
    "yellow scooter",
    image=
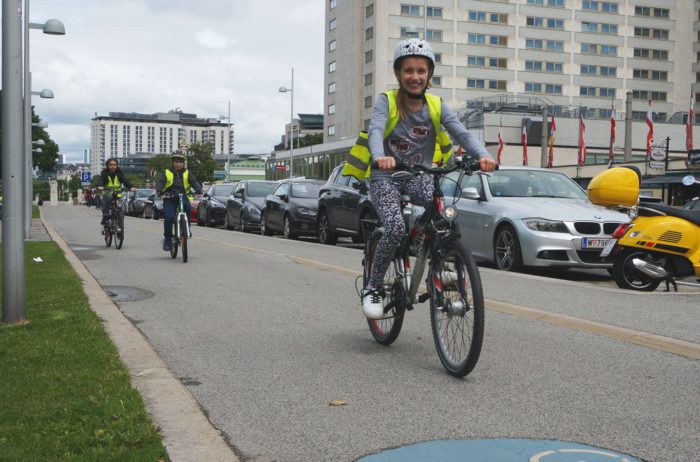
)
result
[(659, 244)]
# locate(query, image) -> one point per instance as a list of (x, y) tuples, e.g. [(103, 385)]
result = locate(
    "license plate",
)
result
[(589, 243), (608, 248)]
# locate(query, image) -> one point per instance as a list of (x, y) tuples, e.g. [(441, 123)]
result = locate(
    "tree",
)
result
[(74, 184), (200, 161), (310, 139)]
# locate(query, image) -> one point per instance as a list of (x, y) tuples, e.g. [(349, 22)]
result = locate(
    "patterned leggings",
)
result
[(386, 197)]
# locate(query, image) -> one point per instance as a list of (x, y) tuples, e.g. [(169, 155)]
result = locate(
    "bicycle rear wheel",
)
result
[(183, 238), (175, 241), (456, 308), (118, 224), (385, 331)]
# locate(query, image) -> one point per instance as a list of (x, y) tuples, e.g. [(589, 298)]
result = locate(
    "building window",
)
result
[(597, 92), (331, 67), (552, 3), (476, 61), (368, 101), (369, 55), (645, 32), (331, 109), (369, 10), (646, 74), (543, 88), (434, 12), (547, 23), (331, 130), (599, 28), (409, 32), (476, 83), (646, 53), (438, 58), (332, 24), (476, 39), (477, 16), (600, 50), (332, 45), (535, 44), (597, 5), (650, 11), (368, 79), (369, 33), (641, 116), (331, 88), (480, 84), (332, 4), (436, 81), (434, 35), (555, 45), (500, 18), (411, 10)]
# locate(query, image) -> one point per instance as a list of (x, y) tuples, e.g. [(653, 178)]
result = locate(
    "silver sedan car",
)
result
[(530, 217)]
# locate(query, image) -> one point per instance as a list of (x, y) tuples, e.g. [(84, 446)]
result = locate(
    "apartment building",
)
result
[(124, 135), (580, 53)]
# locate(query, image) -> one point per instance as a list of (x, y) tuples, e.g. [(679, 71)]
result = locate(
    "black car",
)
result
[(212, 207), (342, 204), (291, 209), (136, 202), (153, 207), (244, 205)]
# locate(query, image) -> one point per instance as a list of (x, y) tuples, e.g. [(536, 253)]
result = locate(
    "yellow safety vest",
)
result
[(359, 157), (114, 184), (170, 178)]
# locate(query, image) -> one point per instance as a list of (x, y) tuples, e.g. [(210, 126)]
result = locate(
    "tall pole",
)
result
[(291, 131), (12, 161), (228, 143), (545, 132), (628, 127), (27, 129)]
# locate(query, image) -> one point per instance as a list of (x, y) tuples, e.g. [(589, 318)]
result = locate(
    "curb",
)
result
[(186, 432)]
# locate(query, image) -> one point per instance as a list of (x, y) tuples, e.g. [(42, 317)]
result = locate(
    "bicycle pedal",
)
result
[(423, 297)]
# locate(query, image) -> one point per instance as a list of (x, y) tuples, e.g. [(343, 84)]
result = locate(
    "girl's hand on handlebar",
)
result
[(386, 163), (487, 164)]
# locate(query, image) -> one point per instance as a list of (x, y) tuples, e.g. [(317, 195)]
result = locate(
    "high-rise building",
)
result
[(122, 134), (580, 53), (86, 155)]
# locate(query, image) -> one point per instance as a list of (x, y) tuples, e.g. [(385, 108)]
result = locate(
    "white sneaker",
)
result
[(372, 306)]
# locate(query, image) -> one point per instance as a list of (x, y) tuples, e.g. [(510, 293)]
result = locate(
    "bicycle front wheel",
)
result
[(183, 238), (107, 231), (119, 228), (175, 241), (386, 330), (456, 308)]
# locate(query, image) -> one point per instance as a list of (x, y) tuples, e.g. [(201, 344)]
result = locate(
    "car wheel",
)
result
[(507, 251), (264, 230), (325, 235), (287, 228)]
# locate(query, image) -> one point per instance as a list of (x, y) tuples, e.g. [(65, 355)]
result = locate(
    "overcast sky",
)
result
[(152, 56)]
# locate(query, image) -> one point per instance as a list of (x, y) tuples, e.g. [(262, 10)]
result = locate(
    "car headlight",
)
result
[(305, 211), (542, 224)]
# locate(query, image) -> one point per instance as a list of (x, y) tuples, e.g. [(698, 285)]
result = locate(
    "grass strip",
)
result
[(64, 393)]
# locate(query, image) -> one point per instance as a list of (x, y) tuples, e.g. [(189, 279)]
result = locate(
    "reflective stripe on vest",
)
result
[(170, 178), (359, 158)]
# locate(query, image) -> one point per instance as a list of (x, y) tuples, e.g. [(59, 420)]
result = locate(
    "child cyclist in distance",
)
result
[(416, 118)]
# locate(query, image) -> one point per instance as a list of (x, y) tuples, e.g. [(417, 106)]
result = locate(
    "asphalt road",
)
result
[(265, 333)]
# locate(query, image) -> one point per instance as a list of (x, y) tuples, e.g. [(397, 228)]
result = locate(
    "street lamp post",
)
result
[(291, 126), (51, 27), (228, 141)]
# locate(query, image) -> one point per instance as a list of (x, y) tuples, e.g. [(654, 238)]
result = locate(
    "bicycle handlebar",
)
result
[(469, 167)]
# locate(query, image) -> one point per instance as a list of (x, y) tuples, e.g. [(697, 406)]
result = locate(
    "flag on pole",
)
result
[(524, 141), (581, 142), (552, 129), (689, 130), (611, 155), (650, 133), (501, 143)]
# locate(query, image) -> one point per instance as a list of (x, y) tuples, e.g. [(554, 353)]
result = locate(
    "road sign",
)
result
[(85, 177)]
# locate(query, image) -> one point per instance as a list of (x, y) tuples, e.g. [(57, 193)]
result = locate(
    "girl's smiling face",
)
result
[(414, 74)]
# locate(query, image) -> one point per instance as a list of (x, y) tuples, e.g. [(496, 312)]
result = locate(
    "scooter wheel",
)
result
[(627, 276)]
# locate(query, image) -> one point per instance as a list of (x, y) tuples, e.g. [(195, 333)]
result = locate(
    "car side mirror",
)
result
[(284, 197), (471, 193)]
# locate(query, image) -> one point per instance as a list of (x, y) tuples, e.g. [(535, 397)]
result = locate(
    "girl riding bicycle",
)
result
[(112, 179), (406, 127), (175, 180)]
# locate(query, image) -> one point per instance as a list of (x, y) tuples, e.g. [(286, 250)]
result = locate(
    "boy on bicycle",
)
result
[(111, 179), (406, 126), (175, 180)]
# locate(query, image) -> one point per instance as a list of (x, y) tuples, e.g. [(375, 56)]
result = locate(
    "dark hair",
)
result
[(118, 171)]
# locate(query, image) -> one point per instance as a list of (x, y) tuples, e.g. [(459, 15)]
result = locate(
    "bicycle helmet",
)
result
[(413, 47), (177, 155)]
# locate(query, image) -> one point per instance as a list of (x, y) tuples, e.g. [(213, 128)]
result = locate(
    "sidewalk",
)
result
[(36, 233)]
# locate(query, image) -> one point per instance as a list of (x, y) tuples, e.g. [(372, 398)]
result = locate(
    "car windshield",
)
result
[(143, 194), (305, 190), (260, 189), (224, 190), (533, 183)]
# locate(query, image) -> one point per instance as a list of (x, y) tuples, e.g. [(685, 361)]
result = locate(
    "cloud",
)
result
[(154, 55)]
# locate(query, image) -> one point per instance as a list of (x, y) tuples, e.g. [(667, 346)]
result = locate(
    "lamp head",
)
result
[(284, 89), (46, 93), (54, 27)]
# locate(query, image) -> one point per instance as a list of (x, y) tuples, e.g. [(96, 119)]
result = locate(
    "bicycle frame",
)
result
[(178, 215)]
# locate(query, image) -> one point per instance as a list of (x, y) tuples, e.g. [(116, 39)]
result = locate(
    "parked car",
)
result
[(531, 217), (291, 209), (342, 204), (693, 204), (153, 207), (211, 209), (136, 201), (244, 205)]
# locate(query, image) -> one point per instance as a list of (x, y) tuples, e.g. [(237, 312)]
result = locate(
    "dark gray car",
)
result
[(244, 205)]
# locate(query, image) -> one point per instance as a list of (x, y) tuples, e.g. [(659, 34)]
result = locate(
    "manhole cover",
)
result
[(127, 293)]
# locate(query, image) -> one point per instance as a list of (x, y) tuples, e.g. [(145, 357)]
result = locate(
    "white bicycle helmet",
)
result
[(413, 47)]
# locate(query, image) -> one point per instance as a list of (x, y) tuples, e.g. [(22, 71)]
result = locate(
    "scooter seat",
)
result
[(692, 216)]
